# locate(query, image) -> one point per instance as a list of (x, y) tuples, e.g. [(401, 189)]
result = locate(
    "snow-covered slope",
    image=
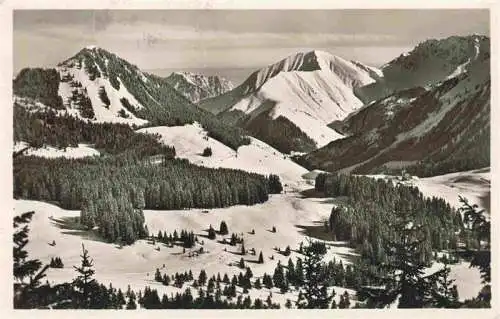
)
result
[(99, 86), (135, 265), (196, 87), (309, 90), (190, 141), (442, 123), (428, 63), (475, 185), (83, 150)]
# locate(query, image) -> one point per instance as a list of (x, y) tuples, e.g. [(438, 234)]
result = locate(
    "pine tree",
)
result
[(211, 233), (248, 273), (210, 286), (287, 251), (477, 223), (223, 228), (202, 278), (443, 294), (26, 294), (344, 301), (257, 284), (226, 279), (261, 258), (241, 264), (120, 299), (131, 302), (84, 282), (279, 277), (158, 276), (314, 288), (267, 281), (405, 278), (243, 250)]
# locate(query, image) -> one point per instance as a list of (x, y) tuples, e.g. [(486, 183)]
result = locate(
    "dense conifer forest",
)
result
[(111, 192), (372, 205), (39, 84), (61, 131)]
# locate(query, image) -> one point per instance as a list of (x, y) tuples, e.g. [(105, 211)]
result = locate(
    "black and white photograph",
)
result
[(245, 159)]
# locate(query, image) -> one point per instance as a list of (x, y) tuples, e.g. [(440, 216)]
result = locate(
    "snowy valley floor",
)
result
[(291, 213)]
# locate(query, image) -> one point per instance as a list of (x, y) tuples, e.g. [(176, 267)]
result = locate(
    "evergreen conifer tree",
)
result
[(84, 282), (314, 288)]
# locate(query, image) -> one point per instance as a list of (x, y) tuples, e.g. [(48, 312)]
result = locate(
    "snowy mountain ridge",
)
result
[(196, 87), (304, 91), (445, 121)]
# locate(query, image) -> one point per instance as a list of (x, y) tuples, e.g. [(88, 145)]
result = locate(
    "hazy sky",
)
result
[(177, 39)]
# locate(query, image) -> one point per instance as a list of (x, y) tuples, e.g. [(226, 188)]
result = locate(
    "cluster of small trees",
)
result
[(275, 186), (104, 97), (126, 104), (235, 239), (56, 262), (187, 239), (177, 280), (83, 103)]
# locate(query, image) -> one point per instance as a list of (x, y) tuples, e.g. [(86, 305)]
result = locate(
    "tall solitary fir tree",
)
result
[(313, 293), (84, 282)]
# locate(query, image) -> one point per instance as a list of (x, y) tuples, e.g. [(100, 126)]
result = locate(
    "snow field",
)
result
[(83, 150)]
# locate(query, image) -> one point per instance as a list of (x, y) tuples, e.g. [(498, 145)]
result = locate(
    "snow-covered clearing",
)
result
[(83, 150), (135, 264), (474, 185), (190, 141)]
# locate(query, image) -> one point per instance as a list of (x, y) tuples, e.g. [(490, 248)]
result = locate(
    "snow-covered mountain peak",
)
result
[(351, 74)]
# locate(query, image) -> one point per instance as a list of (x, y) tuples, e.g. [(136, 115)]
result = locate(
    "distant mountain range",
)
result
[(297, 97), (196, 87), (430, 105), (434, 113)]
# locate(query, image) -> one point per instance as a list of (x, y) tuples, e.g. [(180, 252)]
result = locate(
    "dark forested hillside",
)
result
[(47, 128), (161, 103), (173, 184), (372, 206), (39, 84)]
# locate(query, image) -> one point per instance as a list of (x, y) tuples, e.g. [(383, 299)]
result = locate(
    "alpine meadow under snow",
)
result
[(319, 182)]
